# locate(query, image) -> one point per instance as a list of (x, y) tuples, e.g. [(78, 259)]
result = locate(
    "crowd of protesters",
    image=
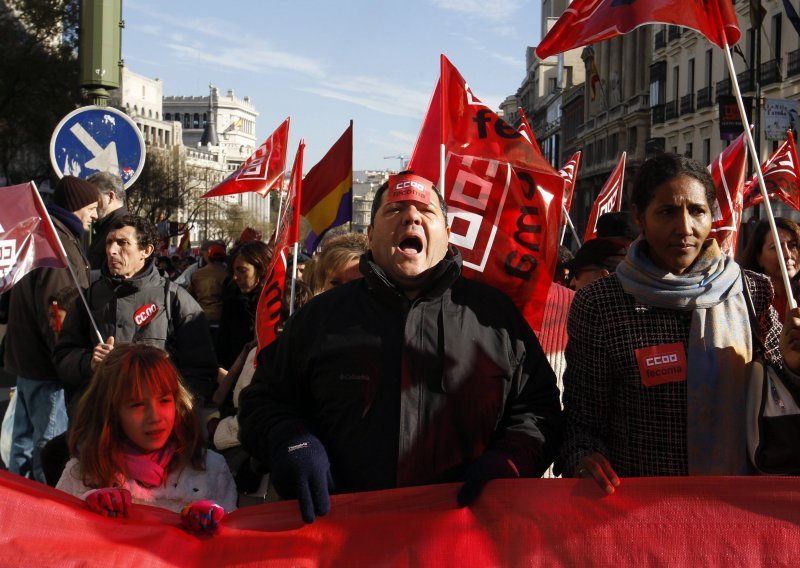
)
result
[(393, 369)]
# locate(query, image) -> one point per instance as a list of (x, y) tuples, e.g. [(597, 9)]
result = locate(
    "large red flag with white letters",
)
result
[(728, 170), (268, 312), (781, 177), (503, 198), (590, 21), (609, 199), (263, 171), (27, 236)]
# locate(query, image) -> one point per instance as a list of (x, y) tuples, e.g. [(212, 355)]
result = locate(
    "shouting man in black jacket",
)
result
[(410, 376)]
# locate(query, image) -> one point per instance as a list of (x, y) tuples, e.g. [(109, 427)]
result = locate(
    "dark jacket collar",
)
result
[(146, 278), (67, 218), (440, 278)]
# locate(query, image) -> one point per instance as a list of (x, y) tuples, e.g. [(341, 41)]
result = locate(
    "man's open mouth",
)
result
[(411, 245)]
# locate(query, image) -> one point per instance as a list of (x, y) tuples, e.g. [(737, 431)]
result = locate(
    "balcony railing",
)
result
[(771, 72), (687, 104), (723, 88), (671, 110), (661, 40), (794, 63), (704, 98), (658, 114), (747, 80), (674, 33)]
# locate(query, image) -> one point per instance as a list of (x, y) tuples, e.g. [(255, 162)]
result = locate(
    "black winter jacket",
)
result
[(114, 302), (406, 392), (29, 338)]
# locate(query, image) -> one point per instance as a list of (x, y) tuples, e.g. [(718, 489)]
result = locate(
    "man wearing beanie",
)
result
[(40, 413), (112, 207)]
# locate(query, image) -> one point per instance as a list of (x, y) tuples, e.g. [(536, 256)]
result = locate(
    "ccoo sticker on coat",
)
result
[(661, 364), (145, 314)]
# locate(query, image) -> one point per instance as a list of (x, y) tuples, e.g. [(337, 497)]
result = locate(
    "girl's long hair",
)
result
[(96, 436)]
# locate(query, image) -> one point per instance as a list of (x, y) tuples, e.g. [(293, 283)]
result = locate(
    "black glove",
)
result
[(300, 470), (494, 464)]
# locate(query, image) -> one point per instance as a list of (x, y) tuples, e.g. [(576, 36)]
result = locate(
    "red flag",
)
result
[(263, 171), (527, 131), (781, 177), (590, 21), (728, 171), (570, 174), (503, 198), (610, 199), (268, 312), (27, 236)]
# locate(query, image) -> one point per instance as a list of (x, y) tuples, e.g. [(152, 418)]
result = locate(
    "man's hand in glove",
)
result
[(300, 470), (494, 464)]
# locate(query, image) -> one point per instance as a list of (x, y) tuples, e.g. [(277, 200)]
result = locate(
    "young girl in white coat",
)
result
[(135, 439)]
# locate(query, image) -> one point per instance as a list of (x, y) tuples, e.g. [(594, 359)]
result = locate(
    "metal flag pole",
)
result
[(294, 276), (792, 304), (49, 221), (571, 227)]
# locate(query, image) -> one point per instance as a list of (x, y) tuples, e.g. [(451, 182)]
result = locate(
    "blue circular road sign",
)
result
[(97, 139)]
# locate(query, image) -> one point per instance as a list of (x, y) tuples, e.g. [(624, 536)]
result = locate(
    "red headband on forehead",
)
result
[(409, 187)]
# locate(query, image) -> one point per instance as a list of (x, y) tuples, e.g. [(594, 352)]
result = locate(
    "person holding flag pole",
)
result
[(30, 340)]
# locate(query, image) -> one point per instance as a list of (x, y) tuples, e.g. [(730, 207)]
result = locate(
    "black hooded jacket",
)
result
[(406, 392)]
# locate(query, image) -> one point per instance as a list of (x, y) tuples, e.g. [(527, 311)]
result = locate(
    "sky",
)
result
[(325, 62)]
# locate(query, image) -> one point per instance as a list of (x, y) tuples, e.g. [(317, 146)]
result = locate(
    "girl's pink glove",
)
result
[(109, 501), (202, 517)]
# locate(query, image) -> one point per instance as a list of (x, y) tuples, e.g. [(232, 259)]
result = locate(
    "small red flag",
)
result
[(781, 177), (263, 171), (609, 199), (590, 21), (527, 131), (268, 311), (27, 236), (728, 170), (504, 199), (570, 174)]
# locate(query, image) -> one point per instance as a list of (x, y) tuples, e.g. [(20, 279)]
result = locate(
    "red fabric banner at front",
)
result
[(700, 521)]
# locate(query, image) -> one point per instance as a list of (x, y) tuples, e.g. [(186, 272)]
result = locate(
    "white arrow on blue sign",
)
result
[(97, 139)]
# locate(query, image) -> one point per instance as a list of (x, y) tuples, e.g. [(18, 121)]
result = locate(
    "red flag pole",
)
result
[(49, 222), (751, 145)]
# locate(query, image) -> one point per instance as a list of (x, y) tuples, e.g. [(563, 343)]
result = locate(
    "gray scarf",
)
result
[(719, 349)]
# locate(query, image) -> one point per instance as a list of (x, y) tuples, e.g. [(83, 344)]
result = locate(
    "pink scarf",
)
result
[(148, 469)]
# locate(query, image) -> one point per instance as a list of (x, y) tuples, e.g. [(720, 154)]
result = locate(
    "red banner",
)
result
[(27, 236), (609, 199), (590, 21), (526, 130), (728, 171), (781, 177), (268, 311), (263, 171), (700, 521), (503, 197)]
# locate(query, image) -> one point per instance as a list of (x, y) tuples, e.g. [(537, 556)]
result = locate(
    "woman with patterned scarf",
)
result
[(658, 352)]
